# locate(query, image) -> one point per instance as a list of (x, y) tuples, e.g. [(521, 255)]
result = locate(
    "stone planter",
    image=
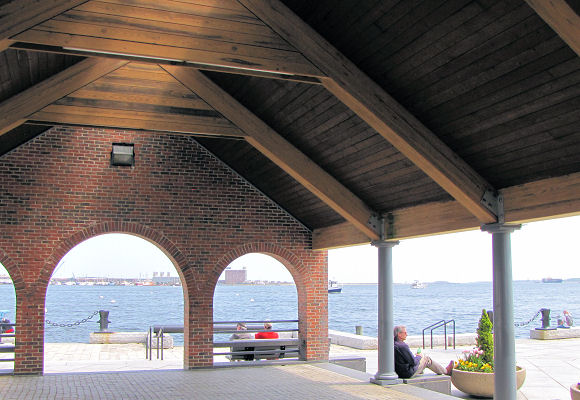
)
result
[(575, 392), (481, 384)]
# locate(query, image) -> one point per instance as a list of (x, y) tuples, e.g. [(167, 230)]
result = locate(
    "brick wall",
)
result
[(59, 190)]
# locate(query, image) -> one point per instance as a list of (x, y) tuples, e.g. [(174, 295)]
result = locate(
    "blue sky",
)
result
[(539, 249)]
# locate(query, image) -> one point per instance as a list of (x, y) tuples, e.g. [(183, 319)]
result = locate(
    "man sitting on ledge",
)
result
[(408, 365)]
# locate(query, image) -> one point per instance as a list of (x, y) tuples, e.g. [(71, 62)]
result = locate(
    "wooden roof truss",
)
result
[(143, 71)]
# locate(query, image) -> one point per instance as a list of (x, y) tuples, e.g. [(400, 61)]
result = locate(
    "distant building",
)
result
[(163, 279), (234, 276)]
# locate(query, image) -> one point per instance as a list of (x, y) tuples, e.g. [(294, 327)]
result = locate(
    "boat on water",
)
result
[(334, 287), (551, 280), (418, 285)]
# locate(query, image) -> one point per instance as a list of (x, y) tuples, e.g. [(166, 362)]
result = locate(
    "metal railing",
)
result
[(438, 324), (7, 347), (239, 349)]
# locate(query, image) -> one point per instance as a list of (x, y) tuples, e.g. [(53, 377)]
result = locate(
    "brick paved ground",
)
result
[(552, 366), (304, 381)]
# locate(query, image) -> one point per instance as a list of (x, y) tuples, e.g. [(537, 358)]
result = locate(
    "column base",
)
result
[(386, 380)]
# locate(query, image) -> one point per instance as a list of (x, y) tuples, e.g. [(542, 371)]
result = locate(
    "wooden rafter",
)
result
[(562, 18), (19, 15), (280, 151), (17, 109), (370, 102), (547, 198)]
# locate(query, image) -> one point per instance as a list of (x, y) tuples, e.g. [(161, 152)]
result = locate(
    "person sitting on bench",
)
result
[(240, 335), (408, 365), (268, 334)]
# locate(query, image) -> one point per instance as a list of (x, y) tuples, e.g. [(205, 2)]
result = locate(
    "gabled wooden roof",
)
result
[(428, 115)]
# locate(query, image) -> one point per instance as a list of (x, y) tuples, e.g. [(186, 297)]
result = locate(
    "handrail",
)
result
[(428, 328), (438, 324)]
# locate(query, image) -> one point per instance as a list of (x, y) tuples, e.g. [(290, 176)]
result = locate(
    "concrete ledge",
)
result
[(434, 382), (351, 340), (128, 337), (358, 363), (371, 343), (558, 333)]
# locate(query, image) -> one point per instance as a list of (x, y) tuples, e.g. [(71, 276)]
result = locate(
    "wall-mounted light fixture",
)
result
[(123, 154)]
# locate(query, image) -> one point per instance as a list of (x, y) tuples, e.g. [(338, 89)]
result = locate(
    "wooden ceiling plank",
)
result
[(163, 125), (379, 109), (153, 24), (133, 114), (123, 82), (19, 15), (232, 13), (562, 19), (131, 34), (291, 65), (194, 21), (128, 95), (280, 151), (104, 85), (57, 86), (540, 200), (158, 76)]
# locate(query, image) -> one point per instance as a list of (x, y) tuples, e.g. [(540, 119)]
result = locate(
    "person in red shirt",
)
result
[(268, 334)]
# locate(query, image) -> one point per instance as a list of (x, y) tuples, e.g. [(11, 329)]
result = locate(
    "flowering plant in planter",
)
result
[(479, 359), (473, 373), (473, 362)]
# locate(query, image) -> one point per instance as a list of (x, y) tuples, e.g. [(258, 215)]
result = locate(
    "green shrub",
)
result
[(485, 337)]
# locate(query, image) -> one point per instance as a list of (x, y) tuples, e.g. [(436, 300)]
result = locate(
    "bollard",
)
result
[(104, 321), (359, 329), (545, 318)]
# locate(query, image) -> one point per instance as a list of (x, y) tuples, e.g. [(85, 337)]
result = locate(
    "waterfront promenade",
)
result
[(552, 366)]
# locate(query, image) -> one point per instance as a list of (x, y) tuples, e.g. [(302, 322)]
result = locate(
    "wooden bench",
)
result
[(256, 349)]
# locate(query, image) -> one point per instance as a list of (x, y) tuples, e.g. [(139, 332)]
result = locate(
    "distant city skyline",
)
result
[(539, 249)]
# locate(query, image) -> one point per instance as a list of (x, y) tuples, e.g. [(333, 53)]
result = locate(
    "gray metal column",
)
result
[(386, 374), (504, 348)]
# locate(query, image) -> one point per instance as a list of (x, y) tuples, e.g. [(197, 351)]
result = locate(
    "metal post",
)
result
[(386, 374), (546, 319), (359, 329), (104, 320), (503, 309)]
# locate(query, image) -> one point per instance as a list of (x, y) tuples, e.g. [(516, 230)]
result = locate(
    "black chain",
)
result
[(82, 321), (518, 324)]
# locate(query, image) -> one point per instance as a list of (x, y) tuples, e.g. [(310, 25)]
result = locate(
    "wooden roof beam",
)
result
[(281, 152), (562, 18), (18, 15), (15, 110), (127, 120), (370, 102), (543, 199)]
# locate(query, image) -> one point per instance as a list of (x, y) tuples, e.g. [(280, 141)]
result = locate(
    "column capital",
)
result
[(500, 228), (384, 243)]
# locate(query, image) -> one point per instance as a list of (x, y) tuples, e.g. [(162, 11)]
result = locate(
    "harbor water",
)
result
[(135, 308)]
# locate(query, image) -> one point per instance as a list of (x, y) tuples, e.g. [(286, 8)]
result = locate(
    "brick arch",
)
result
[(13, 270), (292, 263), (144, 232), (310, 287)]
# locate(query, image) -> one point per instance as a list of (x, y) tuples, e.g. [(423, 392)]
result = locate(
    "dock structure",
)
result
[(285, 128)]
